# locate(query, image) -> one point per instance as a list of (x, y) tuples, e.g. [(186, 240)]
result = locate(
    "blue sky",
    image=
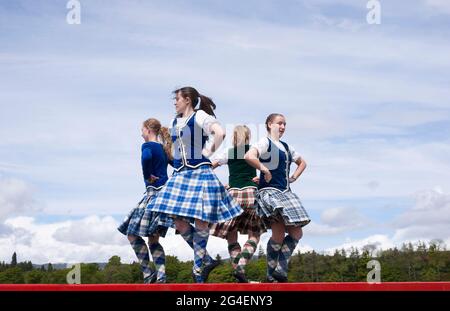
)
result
[(367, 106)]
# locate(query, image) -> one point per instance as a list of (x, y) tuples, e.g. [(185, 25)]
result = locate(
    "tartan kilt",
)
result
[(196, 194), (245, 197), (275, 206), (248, 221), (142, 222)]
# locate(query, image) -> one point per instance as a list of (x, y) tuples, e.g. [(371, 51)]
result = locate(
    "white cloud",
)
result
[(42, 246), (5, 230), (343, 217), (379, 241), (16, 197), (337, 220), (318, 229), (93, 239), (427, 220), (90, 230), (90, 239)]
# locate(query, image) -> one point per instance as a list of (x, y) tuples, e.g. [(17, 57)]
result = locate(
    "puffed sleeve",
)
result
[(205, 121), (262, 146)]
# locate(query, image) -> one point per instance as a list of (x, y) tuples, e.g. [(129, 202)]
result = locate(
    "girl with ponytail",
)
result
[(196, 100), (141, 222), (194, 197)]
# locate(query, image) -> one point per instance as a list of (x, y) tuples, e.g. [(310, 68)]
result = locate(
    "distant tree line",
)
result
[(420, 263)]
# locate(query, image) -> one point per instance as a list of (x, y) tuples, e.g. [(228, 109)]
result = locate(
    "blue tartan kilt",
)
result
[(196, 194), (140, 221), (275, 205)]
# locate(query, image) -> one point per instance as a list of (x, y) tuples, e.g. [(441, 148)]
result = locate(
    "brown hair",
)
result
[(270, 118), (241, 135), (162, 132), (206, 103)]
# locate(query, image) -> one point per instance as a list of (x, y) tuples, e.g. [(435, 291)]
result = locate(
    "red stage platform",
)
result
[(231, 287)]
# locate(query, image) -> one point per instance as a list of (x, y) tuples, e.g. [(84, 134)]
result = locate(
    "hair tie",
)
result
[(199, 100)]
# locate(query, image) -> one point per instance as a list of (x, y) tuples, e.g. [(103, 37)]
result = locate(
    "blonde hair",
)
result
[(241, 135), (163, 133)]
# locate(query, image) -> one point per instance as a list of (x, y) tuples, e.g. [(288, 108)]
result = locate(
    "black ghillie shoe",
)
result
[(279, 277), (240, 277), (270, 279), (208, 268), (150, 279), (161, 281), (197, 278)]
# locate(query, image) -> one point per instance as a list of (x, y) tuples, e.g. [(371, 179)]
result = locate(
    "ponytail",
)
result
[(203, 102), (167, 141), (207, 105), (241, 135)]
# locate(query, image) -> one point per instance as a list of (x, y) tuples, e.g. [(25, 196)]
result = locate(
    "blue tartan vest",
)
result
[(188, 142), (278, 162)]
